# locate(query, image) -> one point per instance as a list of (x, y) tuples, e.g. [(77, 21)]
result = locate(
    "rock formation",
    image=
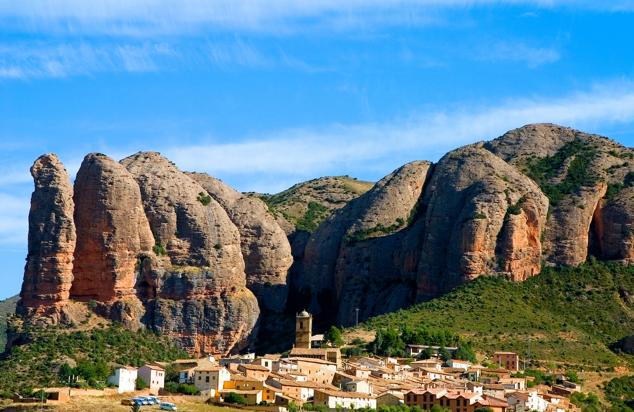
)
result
[(348, 255), (48, 274), (112, 231), (203, 272), (481, 216), (575, 170), (265, 247), (184, 254)]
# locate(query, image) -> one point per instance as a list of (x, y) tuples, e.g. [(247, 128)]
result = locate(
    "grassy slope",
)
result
[(570, 315), (36, 363), (7, 307), (325, 194)]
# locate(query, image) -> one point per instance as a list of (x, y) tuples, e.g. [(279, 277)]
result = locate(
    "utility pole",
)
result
[(356, 323)]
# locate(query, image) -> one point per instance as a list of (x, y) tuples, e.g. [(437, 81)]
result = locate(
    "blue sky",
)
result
[(266, 93)]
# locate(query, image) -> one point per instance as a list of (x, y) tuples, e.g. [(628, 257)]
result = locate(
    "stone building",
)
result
[(303, 329)]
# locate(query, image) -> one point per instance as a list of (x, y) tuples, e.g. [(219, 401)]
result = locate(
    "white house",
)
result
[(334, 399), (213, 377), (459, 364), (358, 385), (153, 376), (124, 379), (527, 401)]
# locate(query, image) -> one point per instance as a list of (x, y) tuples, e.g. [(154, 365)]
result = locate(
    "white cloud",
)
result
[(424, 135), (151, 16), (46, 59), (519, 52)]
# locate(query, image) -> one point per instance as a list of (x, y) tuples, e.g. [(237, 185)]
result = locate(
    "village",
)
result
[(315, 376)]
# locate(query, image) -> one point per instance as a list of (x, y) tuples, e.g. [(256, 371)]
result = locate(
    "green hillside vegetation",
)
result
[(7, 308), (307, 204), (569, 315), (54, 353)]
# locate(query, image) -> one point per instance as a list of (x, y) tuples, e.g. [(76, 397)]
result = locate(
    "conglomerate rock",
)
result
[(265, 247), (48, 274)]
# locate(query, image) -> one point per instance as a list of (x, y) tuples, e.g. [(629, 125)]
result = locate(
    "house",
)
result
[(335, 400), (459, 364), (254, 371), (252, 397), (415, 350), (452, 399), (316, 370), (237, 360), (507, 360), (270, 362), (124, 378), (518, 384), (427, 364), (292, 389), (328, 354), (153, 376), (527, 401), (390, 398), (211, 379), (358, 385)]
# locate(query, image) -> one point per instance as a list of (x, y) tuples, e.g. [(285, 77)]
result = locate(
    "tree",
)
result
[(140, 384), (425, 354), (232, 397), (438, 408), (444, 354), (334, 336), (484, 409), (465, 352)]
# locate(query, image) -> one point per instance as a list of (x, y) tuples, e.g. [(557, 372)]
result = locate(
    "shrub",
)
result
[(232, 397), (140, 384), (203, 198), (159, 250)]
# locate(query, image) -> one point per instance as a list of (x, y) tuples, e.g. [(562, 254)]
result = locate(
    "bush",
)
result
[(334, 336), (140, 384), (235, 398), (203, 198), (159, 250)]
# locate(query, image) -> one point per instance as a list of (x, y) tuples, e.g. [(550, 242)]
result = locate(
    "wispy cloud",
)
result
[(45, 59), (173, 16), (424, 135), (518, 51)]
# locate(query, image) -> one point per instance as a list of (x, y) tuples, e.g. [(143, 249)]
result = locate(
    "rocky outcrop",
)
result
[(352, 252), (112, 231), (481, 216), (575, 170), (265, 247), (202, 273), (614, 226), (48, 274)]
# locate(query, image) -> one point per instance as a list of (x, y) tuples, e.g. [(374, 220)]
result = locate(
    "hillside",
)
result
[(307, 204), (570, 315), (92, 352), (7, 307)]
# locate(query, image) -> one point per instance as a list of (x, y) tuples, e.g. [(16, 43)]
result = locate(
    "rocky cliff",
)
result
[(48, 274), (187, 255)]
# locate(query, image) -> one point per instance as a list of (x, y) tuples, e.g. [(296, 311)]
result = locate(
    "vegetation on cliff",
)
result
[(564, 315), (307, 204), (7, 307), (48, 355)]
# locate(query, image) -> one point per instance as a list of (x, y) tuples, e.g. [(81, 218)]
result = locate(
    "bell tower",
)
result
[(303, 329)]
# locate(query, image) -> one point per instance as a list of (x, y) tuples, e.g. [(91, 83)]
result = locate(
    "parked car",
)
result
[(141, 400), (167, 406), (153, 400)]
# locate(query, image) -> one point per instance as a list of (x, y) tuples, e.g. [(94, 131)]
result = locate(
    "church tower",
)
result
[(303, 329)]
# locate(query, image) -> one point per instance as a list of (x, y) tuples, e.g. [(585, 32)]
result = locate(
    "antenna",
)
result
[(357, 317)]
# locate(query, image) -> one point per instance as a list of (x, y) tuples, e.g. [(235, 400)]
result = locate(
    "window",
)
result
[(207, 379)]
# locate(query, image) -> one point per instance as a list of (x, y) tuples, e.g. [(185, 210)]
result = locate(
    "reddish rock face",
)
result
[(49, 265), (112, 230), (614, 226), (482, 216)]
